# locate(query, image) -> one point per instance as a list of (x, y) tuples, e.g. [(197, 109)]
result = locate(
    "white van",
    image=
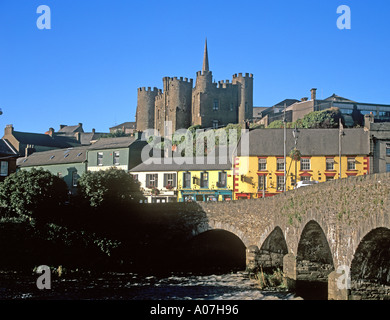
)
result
[(305, 184)]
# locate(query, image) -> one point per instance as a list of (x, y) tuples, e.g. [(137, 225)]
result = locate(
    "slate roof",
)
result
[(39, 139), (311, 142), (112, 143), (129, 125), (70, 129), (55, 156), (6, 149)]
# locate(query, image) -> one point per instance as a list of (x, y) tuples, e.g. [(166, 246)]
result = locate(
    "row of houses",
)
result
[(233, 173)]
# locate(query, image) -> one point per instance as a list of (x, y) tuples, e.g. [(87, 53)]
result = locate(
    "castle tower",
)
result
[(201, 98), (145, 108), (245, 96), (174, 104)]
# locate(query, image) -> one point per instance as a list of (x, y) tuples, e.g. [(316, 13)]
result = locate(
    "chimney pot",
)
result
[(313, 93)]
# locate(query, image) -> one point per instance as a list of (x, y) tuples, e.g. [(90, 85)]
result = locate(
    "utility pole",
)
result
[(284, 146), (341, 132)]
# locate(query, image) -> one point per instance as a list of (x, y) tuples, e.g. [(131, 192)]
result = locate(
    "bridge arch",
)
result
[(216, 250), (218, 225), (370, 267), (314, 262), (272, 251)]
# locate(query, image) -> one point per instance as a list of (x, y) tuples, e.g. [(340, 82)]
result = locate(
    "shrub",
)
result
[(106, 187), (31, 192)]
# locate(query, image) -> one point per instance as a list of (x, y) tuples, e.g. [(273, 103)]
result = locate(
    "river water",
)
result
[(132, 286)]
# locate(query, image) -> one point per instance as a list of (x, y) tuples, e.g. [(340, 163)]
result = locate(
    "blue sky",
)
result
[(88, 66)]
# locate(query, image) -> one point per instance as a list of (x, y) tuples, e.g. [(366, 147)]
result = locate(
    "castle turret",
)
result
[(245, 96), (145, 108)]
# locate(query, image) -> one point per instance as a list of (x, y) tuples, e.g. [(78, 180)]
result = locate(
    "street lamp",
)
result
[(295, 133)]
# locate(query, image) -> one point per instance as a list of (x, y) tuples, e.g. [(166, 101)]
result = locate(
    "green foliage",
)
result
[(256, 126), (277, 124), (328, 118), (107, 187), (29, 192)]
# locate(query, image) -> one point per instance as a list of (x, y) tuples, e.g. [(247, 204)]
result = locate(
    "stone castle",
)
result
[(208, 104)]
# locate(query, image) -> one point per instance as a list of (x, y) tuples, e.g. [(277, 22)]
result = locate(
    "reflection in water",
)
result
[(131, 286)]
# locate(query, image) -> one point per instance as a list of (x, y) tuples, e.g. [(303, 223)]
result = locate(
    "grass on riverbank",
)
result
[(273, 280)]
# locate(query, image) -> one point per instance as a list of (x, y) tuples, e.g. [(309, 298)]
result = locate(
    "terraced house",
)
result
[(186, 179), (261, 172), (68, 164), (122, 153)]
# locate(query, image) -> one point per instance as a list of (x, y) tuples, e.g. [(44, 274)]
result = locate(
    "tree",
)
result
[(32, 192), (109, 187)]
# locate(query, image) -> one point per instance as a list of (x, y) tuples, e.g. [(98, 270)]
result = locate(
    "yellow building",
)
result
[(212, 183), (259, 171)]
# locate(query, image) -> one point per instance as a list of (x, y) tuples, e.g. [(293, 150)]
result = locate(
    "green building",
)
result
[(122, 153), (68, 164)]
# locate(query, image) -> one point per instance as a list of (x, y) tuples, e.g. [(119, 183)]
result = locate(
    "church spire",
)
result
[(205, 59)]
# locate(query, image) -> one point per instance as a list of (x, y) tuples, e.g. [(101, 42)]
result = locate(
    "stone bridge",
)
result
[(326, 233)]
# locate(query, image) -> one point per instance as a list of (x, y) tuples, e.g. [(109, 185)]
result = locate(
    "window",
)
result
[(280, 183), (204, 180), (100, 158), (329, 164), (305, 164), (246, 106), (303, 178), (75, 178), (215, 105), (4, 169), (135, 177), (280, 164), (388, 149), (222, 179), (169, 180), (328, 178), (186, 180), (262, 164), (262, 182), (151, 180), (215, 124), (351, 164), (387, 167), (116, 158)]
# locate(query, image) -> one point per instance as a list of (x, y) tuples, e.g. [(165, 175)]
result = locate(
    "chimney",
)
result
[(313, 93), (304, 99), (368, 119), (29, 150), (93, 130), (51, 132), (9, 129)]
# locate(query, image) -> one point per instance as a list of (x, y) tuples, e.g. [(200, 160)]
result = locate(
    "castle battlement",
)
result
[(181, 79), (202, 73), (224, 84), (149, 89), (247, 75)]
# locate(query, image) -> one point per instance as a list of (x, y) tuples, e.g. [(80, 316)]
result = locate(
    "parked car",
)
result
[(305, 184)]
